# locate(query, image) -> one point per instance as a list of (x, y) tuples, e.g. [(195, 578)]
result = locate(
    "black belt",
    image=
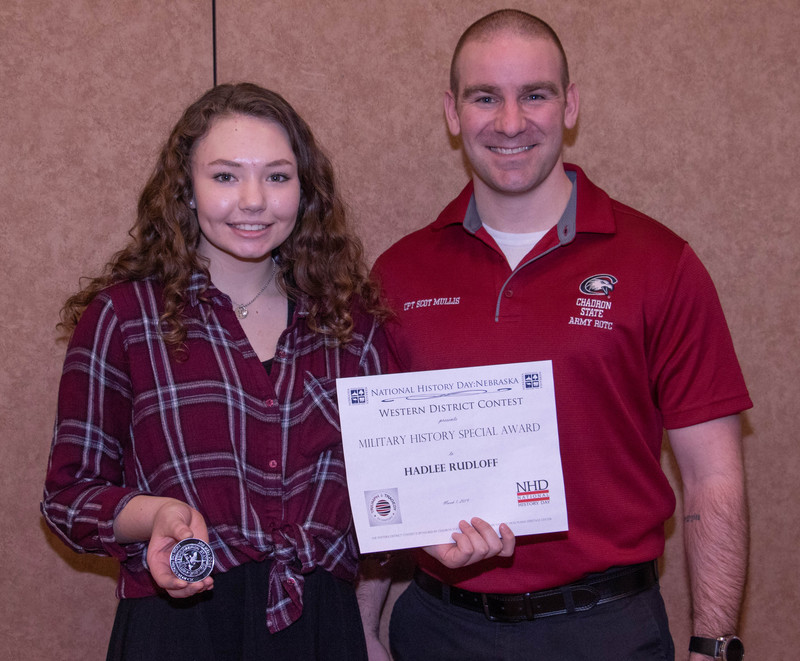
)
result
[(616, 583)]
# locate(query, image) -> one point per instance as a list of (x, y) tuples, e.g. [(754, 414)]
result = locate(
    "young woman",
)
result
[(198, 395)]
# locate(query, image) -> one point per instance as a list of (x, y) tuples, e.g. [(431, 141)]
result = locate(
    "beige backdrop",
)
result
[(689, 113)]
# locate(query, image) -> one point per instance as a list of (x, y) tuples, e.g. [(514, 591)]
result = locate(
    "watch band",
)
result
[(708, 646), (727, 648)]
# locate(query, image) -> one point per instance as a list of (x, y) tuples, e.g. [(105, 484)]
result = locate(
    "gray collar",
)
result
[(565, 226)]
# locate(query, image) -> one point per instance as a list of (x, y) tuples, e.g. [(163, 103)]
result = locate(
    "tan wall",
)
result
[(689, 112)]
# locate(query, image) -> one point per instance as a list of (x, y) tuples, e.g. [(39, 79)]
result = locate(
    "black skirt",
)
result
[(228, 623)]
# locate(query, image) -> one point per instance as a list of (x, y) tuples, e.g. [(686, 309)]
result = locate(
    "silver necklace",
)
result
[(241, 308)]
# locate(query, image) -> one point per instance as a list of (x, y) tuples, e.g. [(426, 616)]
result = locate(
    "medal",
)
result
[(191, 560)]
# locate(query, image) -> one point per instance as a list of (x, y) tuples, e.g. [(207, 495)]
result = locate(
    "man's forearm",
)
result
[(372, 587), (716, 539), (709, 455)]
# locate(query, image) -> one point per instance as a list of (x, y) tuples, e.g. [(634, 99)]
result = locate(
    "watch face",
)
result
[(734, 650)]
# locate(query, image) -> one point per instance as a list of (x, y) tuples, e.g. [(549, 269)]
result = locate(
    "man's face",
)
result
[(511, 111)]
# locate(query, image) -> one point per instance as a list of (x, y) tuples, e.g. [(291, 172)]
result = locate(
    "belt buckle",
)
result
[(526, 599)]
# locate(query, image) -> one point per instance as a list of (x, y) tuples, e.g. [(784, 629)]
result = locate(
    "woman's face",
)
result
[(246, 188)]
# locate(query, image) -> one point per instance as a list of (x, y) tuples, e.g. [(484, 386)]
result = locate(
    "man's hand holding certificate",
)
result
[(425, 450)]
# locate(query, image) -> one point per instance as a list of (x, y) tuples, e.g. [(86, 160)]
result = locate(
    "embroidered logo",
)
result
[(593, 312), (599, 285), (431, 302)]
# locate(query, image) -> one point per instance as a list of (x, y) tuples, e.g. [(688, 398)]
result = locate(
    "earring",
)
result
[(192, 204)]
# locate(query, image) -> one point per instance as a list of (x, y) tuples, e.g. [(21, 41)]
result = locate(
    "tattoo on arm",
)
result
[(689, 518)]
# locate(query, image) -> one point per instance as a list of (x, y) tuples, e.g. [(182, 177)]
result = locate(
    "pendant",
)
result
[(241, 311)]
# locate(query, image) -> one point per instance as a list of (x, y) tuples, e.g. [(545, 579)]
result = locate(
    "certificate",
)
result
[(424, 450)]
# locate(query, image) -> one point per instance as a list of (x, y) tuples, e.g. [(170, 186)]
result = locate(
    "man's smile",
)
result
[(510, 150)]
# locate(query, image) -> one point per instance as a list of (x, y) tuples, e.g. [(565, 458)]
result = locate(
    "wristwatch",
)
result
[(727, 648)]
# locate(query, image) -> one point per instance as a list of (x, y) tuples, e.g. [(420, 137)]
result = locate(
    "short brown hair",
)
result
[(507, 20)]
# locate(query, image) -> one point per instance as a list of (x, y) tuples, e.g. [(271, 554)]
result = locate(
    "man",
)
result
[(544, 265)]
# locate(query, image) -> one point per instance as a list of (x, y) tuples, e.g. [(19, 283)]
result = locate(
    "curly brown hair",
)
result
[(321, 258)]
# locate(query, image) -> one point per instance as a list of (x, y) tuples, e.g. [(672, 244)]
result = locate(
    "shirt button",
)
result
[(509, 293), (270, 402), (273, 463)]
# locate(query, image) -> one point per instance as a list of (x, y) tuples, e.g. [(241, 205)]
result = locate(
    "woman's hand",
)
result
[(474, 543), (173, 522), (163, 522)]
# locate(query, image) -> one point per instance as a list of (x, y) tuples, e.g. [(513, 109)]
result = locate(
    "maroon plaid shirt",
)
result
[(259, 457)]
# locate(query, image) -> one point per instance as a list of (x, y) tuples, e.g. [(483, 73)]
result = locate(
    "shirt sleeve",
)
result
[(368, 345), (391, 362), (694, 368), (374, 356), (85, 486)]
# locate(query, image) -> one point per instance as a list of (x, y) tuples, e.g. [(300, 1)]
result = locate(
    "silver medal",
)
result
[(191, 560)]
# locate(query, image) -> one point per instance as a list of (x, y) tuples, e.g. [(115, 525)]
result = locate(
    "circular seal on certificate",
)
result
[(191, 560), (383, 507)]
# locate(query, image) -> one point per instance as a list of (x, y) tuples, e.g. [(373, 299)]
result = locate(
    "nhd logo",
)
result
[(533, 492)]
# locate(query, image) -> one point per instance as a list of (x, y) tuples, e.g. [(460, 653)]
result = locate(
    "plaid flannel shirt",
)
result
[(259, 457)]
